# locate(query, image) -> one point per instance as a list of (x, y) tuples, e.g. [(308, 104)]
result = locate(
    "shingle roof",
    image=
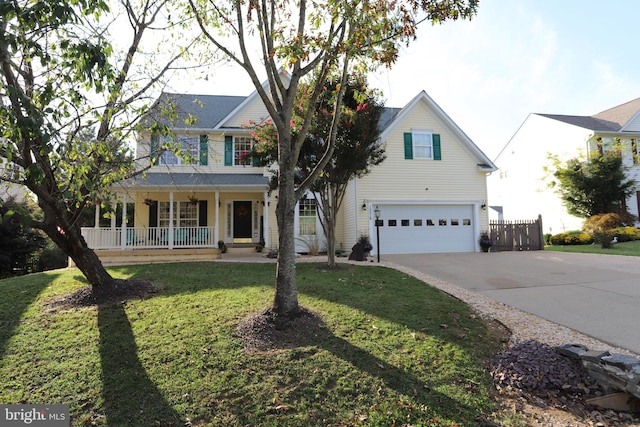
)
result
[(191, 180), (613, 119), (620, 114), (388, 115), (209, 110), (586, 122), (174, 109)]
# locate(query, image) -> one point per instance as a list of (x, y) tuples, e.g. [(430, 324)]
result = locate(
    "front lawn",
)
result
[(623, 248), (398, 352)]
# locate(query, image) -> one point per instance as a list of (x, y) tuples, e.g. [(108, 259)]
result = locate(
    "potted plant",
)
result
[(193, 200), (148, 202), (366, 244), (485, 242)]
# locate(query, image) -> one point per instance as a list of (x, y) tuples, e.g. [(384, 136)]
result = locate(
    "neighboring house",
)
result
[(519, 189), (431, 189)]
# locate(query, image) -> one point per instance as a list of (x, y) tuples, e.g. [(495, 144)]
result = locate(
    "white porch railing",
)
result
[(149, 237)]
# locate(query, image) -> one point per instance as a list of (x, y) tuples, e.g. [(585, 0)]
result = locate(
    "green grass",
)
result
[(399, 352), (623, 248)]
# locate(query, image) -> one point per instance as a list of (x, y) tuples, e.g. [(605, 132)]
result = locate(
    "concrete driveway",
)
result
[(597, 295)]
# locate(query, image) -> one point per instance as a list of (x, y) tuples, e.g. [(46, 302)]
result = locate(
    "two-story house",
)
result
[(519, 189), (430, 191)]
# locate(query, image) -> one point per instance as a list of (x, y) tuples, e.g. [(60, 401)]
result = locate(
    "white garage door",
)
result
[(426, 229)]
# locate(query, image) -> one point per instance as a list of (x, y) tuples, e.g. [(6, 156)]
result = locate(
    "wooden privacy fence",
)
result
[(517, 235)]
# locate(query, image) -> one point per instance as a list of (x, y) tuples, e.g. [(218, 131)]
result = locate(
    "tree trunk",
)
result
[(285, 302), (90, 265), (331, 241), (72, 243)]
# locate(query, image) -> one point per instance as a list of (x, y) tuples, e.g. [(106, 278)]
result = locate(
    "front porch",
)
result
[(149, 237)]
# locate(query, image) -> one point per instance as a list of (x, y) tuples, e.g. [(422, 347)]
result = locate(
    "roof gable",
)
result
[(395, 117), (621, 114)]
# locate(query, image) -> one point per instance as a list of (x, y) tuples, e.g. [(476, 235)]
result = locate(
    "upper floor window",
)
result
[(422, 145), (242, 147), (237, 151), (180, 149)]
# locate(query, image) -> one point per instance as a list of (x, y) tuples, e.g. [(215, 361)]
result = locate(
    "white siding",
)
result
[(633, 125), (456, 179), (254, 110), (520, 184)]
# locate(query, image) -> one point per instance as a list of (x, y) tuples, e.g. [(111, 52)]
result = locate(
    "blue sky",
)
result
[(515, 57)]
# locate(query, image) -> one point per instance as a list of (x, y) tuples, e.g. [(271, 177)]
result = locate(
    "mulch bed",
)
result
[(119, 291), (264, 331)]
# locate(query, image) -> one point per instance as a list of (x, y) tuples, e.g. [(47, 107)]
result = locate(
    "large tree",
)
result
[(597, 185), (309, 40), (357, 148), (71, 90)]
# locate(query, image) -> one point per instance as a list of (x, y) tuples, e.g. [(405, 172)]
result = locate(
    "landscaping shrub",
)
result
[(50, 257), (571, 238), (626, 234), (603, 222)]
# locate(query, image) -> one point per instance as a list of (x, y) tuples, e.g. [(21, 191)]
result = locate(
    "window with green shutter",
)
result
[(204, 150), (422, 145), (437, 152), (408, 146), (179, 149), (155, 146), (228, 150)]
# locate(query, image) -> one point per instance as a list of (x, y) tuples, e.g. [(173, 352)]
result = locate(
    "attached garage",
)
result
[(427, 228)]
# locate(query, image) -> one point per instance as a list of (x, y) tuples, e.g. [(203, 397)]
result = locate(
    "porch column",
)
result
[(123, 236), (265, 220), (114, 208), (97, 217), (171, 220), (216, 230)]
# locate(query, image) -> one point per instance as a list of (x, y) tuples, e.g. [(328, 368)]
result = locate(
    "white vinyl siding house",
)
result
[(520, 190), (430, 189), (448, 188)]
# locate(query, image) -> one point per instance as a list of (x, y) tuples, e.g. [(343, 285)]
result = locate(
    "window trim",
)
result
[(305, 221), (428, 144), (194, 149)]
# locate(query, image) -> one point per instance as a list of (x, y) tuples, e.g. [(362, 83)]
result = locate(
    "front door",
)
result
[(242, 222)]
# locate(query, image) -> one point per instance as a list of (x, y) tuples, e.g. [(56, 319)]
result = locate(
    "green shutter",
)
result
[(228, 150), (155, 146), (204, 149), (408, 146), (437, 152), (255, 161)]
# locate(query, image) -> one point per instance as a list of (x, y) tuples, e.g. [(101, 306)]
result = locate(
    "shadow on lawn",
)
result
[(17, 297), (130, 397), (403, 382)]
